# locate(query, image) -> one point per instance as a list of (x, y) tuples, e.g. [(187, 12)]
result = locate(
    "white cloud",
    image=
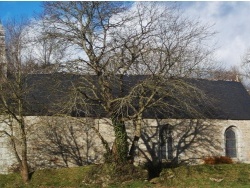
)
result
[(231, 21)]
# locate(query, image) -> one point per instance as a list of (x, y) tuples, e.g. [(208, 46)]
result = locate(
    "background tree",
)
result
[(48, 54), (245, 69), (231, 74), (114, 40), (13, 91), (246, 63)]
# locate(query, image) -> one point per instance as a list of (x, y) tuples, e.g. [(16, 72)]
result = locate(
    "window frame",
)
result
[(166, 142), (231, 142)]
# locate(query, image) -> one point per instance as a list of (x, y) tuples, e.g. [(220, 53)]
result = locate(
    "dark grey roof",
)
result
[(224, 99), (231, 100)]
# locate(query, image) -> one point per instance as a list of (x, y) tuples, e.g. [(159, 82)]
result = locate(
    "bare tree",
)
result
[(13, 91), (116, 42), (231, 74), (47, 53), (245, 68)]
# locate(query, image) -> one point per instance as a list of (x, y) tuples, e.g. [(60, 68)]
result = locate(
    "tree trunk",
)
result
[(25, 171), (120, 146), (137, 136), (24, 161), (133, 149), (108, 153)]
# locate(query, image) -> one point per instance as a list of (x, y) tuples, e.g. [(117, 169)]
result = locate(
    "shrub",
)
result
[(111, 173), (218, 160)]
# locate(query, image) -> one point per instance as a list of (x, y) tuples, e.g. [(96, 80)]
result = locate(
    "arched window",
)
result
[(230, 139), (166, 142)]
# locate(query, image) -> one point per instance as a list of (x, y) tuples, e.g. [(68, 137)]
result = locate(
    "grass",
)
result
[(65, 177), (226, 175)]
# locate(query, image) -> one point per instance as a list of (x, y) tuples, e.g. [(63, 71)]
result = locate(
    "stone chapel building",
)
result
[(56, 141)]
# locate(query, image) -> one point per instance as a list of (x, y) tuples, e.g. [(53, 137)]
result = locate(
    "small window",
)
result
[(230, 139), (166, 142)]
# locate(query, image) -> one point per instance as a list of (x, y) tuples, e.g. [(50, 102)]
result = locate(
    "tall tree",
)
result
[(13, 91), (114, 40)]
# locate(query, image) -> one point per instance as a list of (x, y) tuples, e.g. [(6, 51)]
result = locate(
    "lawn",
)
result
[(226, 175)]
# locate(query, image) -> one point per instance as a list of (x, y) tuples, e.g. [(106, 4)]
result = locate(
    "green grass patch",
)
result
[(224, 175), (110, 175), (64, 177)]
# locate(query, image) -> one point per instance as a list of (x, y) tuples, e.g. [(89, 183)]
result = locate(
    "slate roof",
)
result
[(230, 99)]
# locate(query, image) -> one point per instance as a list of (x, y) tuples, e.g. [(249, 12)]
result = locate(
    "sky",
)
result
[(17, 9), (229, 19), (231, 22)]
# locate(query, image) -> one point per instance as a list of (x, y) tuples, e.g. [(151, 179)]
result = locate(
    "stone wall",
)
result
[(6, 155), (193, 140), (242, 130), (65, 142)]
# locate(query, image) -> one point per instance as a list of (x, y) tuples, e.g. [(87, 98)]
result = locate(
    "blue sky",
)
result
[(229, 19), (17, 9)]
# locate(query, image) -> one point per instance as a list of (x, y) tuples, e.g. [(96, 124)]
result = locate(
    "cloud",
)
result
[(231, 21)]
